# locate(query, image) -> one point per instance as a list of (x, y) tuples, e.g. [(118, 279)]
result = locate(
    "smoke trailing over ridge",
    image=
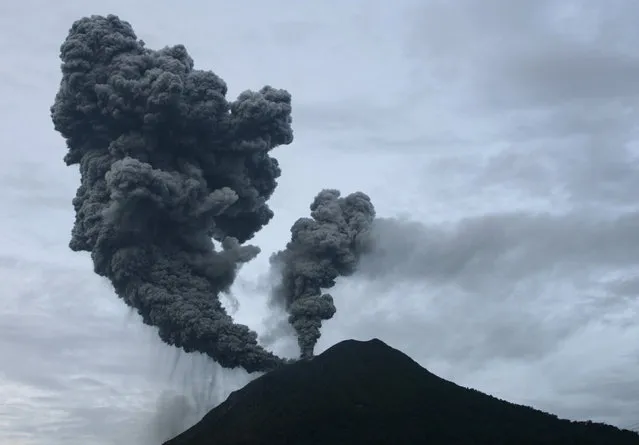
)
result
[(166, 164), (323, 247)]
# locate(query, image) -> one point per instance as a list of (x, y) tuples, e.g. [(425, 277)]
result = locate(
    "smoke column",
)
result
[(323, 247), (167, 164)]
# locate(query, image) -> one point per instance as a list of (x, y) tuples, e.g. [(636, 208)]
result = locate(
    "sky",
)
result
[(501, 136)]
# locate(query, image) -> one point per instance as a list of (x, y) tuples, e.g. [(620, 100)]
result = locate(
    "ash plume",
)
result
[(323, 247), (167, 164)]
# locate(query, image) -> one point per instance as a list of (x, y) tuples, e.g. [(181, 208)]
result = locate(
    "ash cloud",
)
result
[(500, 248), (323, 247), (167, 164)]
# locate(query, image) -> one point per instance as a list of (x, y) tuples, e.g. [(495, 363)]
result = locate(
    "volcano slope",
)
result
[(369, 393)]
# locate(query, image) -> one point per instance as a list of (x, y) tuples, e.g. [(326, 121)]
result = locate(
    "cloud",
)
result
[(497, 251), (556, 82), (79, 370)]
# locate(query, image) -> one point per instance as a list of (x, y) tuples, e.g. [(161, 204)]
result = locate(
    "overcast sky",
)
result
[(499, 134)]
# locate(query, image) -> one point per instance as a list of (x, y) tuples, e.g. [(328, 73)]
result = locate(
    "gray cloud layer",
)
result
[(499, 250), (557, 82)]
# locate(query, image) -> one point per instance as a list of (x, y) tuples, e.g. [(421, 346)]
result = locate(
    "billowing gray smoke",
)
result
[(323, 247), (167, 163)]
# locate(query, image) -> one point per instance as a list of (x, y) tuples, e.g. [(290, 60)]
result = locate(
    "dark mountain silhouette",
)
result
[(369, 393)]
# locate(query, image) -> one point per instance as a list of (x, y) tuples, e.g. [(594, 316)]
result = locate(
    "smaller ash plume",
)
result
[(323, 247)]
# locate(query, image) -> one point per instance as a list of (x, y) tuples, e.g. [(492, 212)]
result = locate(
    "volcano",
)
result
[(366, 392)]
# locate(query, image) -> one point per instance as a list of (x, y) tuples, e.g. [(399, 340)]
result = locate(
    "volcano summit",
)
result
[(369, 393)]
